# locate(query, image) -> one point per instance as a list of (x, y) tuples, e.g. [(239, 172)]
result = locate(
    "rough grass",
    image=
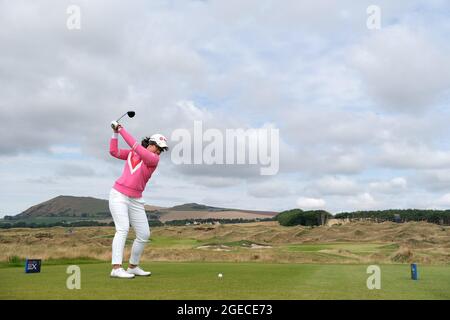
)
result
[(358, 242)]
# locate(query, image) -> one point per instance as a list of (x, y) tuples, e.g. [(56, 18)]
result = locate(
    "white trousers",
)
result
[(125, 211)]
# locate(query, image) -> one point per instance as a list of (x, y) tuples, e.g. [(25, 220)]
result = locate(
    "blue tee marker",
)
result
[(414, 272)]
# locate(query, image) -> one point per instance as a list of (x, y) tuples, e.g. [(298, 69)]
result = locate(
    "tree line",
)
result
[(93, 223), (400, 215), (285, 218), (84, 223), (305, 218), (320, 217), (212, 220)]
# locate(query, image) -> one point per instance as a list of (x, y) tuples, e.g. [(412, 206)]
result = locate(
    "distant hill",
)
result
[(195, 207), (88, 207), (203, 208), (67, 206), (195, 211)]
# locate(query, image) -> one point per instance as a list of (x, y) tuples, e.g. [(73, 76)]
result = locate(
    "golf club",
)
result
[(130, 114)]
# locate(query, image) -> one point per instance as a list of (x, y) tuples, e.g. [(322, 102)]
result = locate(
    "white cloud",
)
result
[(65, 150), (443, 201), (334, 185), (412, 156), (306, 67), (436, 180), (392, 186), (319, 160), (269, 189), (404, 68), (363, 201), (217, 182), (311, 203), (193, 113), (75, 170)]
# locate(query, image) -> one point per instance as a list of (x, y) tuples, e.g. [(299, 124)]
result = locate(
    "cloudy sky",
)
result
[(362, 113)]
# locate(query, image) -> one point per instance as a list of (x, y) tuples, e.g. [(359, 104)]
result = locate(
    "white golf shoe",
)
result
[(121, 273), (138, 272)]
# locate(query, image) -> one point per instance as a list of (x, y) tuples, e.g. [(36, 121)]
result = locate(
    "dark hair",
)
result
[(146, 142)]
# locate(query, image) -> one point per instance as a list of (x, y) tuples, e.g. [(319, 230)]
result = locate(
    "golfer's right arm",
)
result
[(114, 148)]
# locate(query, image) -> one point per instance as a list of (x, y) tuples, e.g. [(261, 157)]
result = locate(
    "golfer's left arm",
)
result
[(149, 158)]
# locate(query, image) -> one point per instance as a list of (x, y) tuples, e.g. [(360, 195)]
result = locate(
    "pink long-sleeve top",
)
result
[(139, 167)]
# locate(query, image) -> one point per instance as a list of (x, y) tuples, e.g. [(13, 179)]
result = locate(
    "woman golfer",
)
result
[(125, 199)]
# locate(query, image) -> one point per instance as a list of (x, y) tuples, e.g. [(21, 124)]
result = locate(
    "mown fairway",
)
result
[(192, 280)]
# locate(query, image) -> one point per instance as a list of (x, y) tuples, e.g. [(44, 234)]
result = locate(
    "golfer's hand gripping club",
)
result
[(115, 125)]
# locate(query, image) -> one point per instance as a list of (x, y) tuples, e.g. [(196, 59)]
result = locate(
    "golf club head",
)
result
[(130, 114)]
